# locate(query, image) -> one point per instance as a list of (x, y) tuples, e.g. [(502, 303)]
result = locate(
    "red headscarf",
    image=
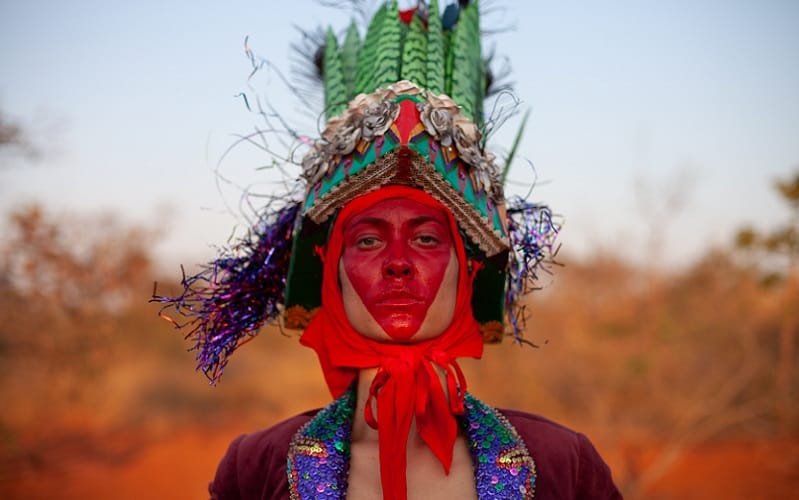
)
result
[(407, 383)]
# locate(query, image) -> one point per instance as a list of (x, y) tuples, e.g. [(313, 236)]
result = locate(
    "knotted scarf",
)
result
[(407, 385)]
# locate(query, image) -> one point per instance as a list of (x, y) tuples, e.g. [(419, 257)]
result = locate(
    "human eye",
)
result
[(367, 242), (427, 240)]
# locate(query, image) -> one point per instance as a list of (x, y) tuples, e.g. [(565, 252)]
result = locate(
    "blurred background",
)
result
[(663, 133)]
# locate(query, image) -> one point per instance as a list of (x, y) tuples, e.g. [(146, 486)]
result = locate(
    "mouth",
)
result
[(398, 299)]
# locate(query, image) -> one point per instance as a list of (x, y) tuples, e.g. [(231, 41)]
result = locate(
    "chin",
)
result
[(400, 330)]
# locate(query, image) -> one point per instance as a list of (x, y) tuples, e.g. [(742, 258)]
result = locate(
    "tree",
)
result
[(15, 139), (779, 248)]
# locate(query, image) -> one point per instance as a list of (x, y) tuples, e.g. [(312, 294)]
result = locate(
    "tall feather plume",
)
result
[(476, 62), (349, 58), (435, 50), (388, 57), (414, 54), (467, 80), (307, 65), (449, 62), (364, 81), (497, 74), (335, 89)]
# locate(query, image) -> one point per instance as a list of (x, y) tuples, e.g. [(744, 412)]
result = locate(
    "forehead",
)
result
[(397, 212)]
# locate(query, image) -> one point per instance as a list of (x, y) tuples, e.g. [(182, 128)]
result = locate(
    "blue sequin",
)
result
[(319, 455)]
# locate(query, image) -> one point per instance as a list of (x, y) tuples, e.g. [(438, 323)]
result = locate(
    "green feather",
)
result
[(349, 58), (512, 153), (364, 74), (388, 57), (414, 54), (449, 62), (435, 51), (478, 65), (467, 64), (335, 90)]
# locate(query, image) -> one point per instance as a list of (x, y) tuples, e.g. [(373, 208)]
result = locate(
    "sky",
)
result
[(656, 128)]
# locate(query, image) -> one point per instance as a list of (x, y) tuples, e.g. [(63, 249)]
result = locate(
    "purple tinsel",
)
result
[(532, 233), (231, 298)]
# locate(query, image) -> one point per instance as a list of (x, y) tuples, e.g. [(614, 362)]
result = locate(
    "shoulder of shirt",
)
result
[(531, 422), (277, 437), (547, 440), (566, 460), (256, 462)]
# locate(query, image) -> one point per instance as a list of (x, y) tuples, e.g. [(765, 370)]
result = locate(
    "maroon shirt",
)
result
[(567, 464)]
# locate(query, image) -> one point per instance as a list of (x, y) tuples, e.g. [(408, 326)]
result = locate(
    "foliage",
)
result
[(16, 139), (780, 242)]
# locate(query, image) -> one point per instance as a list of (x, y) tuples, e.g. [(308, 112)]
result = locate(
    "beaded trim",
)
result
[(318, 460), (319, 453), (504, 467), (370, 178)]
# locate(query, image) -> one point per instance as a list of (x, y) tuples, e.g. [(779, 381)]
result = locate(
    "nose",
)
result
[(397, 268), (397, 264)]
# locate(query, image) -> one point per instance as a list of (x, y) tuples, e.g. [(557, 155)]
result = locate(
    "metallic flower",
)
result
[(333, 124), (314, 165), (443, 102), (378, 119), (403, 87), (467, 140), (345, 138), (360, 103), (438, 123)]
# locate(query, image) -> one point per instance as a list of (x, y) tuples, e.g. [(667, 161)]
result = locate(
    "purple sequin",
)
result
[(318, 461)]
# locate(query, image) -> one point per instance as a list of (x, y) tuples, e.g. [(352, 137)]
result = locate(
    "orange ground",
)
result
[(180, 467), (733, 470)]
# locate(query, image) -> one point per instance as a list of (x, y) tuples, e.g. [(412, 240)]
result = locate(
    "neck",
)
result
[(361, 431)]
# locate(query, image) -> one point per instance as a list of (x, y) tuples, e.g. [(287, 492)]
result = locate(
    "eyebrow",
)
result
[(377, 221), (418, 221)]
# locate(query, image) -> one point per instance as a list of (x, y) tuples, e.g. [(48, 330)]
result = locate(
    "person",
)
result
[(402, 257)]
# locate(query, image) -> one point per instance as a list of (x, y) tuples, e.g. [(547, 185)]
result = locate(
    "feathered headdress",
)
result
[(403, 106)]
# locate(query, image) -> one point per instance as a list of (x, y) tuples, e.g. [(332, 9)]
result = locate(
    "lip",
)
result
[(398, 302), (398, 299)]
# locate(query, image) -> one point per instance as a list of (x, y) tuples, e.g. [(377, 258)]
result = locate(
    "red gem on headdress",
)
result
[(407, 120), (406, 16)]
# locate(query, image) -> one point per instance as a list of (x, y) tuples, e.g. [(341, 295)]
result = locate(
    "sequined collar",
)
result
[(319, 454)]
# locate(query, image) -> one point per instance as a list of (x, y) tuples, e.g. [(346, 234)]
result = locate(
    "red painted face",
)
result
[(396, 254)]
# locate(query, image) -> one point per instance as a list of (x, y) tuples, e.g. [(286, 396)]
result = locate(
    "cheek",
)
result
[(362, 273), (431, 271)]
